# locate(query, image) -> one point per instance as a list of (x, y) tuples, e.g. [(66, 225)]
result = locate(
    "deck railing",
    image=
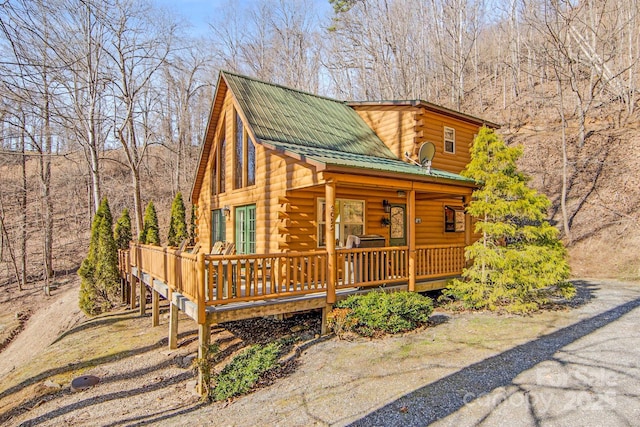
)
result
[(371, 266), (438, 261), (223, 279), (236, 278), (124, 263)]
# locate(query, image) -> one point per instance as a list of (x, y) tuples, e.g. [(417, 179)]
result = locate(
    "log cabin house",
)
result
[(319, 198)]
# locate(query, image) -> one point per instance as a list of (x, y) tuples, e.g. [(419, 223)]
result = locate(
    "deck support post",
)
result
[(123, 290), (204, 338), (132, 290), (143, 295), (330, 240), (173, 325), (325, 312), (411, 229), (155, 307)]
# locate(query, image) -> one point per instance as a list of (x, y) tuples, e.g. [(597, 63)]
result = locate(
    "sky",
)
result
[(200, 12)]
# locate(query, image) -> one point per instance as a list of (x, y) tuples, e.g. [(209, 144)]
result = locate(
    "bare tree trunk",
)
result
[(137, 199), (565, 161), (23, 210), (45, 176), (12, 255)]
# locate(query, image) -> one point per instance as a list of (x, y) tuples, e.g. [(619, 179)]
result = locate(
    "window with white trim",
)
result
[(349, 219), (449, 140)]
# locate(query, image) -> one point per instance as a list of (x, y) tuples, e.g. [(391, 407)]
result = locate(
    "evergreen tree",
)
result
[(150, 234), (178, 223), (122, 233), (99, 270), (519, 262), (106, 275)]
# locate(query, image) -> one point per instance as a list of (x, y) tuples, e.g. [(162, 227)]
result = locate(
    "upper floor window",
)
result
[(349, 219), (238, 152), (218, 172), (244, 156), (222, 169), (449, 140)]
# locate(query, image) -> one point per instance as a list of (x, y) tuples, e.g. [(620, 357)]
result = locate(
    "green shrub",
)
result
[(99, 270), (150, 234), (177, 225), (122, 233), (243, 372), (380, 312)]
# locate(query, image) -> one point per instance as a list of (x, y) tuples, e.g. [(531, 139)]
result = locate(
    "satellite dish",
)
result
[(425, 155)]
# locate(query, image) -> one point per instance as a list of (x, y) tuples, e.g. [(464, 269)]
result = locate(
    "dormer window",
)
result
[(449, 140)]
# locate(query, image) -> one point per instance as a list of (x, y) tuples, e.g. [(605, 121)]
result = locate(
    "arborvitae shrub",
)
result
[(177, 224), (150, 234), (99, 270), (122, 233)]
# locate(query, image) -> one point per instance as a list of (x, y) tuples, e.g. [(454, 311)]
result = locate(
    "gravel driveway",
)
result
[(578, 366), (584, 374), (574, 367)]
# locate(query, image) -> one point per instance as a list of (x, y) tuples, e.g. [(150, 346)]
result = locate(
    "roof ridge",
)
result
[(421, 102), (253, 79)]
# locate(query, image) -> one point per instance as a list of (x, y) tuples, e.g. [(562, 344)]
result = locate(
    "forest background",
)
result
[(111, 98)]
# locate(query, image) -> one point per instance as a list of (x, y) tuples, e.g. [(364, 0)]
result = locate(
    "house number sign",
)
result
[(332, 216)]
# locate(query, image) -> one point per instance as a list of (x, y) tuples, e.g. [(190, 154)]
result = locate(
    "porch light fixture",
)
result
[(401, 193), (387, 206), (226, 211)]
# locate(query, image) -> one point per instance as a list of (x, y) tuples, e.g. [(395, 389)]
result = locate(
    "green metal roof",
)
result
[(318, 129), (278, 113), (362, 161)]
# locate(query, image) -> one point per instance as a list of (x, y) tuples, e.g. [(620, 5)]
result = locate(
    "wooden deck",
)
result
[(218, 288)]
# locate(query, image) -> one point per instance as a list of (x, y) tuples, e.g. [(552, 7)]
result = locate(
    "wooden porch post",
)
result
[(411, 231), (204, 329), (201, 302), (330, 240), (173, 325)]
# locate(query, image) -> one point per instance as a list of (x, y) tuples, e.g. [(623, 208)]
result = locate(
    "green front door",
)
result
[(398, 227), (246, 229)]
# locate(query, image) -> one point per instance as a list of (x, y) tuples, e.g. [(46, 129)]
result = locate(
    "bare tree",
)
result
[(141, 42), (84, 58), (32, 39), (183, 80)]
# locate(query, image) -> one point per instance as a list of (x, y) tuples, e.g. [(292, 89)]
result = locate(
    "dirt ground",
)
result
[(48, 317), (330, 382)]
